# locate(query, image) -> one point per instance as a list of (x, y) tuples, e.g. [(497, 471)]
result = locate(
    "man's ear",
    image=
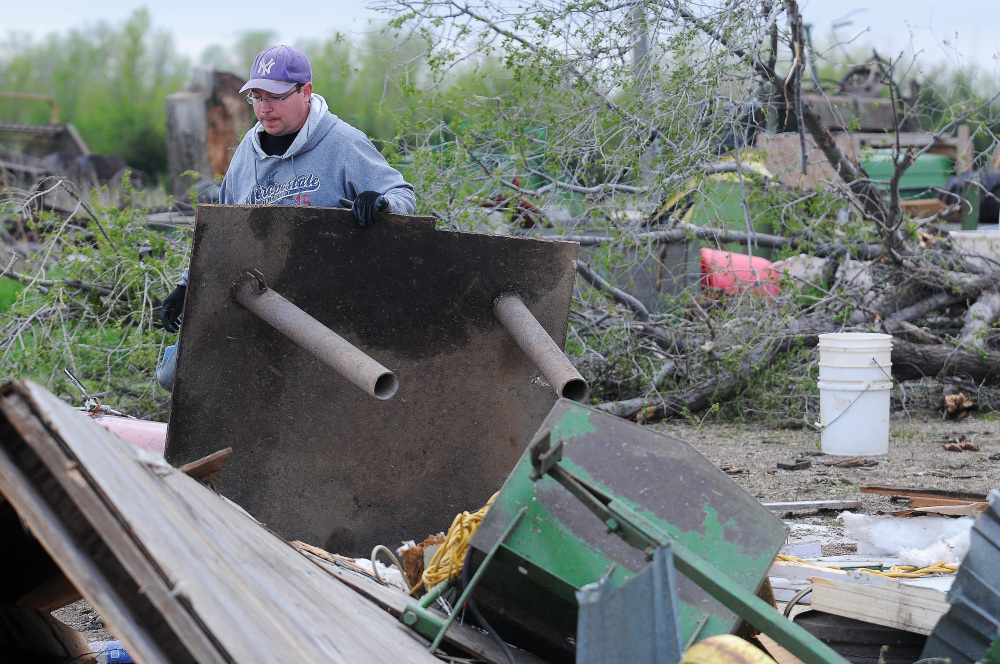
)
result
[(307, 90)]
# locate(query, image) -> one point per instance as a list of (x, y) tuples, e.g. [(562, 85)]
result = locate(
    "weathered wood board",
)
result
[(177, 572)]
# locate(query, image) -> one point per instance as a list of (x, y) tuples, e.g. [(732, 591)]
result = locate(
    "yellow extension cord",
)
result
[(899, 571), (447, 561)]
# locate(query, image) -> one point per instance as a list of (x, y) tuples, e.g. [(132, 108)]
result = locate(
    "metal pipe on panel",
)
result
[(324, 344), (540, 348)]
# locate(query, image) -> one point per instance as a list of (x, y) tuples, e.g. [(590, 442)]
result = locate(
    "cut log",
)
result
[(911, 361), (979, 318)]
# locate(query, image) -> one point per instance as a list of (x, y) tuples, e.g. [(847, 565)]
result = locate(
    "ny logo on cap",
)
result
[(265, 67)]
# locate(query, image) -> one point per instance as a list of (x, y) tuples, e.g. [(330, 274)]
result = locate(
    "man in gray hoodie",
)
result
[(298, 153)]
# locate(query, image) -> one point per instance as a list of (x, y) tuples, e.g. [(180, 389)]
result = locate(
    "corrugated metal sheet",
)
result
[(971, 624)]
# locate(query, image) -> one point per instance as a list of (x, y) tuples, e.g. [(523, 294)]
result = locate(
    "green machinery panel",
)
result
[(559, 545)]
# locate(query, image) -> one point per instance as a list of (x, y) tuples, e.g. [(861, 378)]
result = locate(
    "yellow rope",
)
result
[(447, 561), (912, 572), (898, 571)]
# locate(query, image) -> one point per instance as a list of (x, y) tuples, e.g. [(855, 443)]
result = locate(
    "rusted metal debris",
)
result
[(316, 459), (324, 344), (538, 345)]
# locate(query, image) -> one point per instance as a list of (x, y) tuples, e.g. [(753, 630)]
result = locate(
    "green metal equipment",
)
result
[(593, 497)]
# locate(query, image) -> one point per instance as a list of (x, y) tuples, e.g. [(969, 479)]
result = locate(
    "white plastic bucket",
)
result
[(855, 378)]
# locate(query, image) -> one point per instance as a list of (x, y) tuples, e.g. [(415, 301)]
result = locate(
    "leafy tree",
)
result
[(110, 83), (89, 305), (607, 113)]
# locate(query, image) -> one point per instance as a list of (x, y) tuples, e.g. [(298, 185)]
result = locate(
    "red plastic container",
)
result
[(150, 436), (736, 273)]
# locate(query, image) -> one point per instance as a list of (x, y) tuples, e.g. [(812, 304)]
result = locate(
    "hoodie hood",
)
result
[(318, 124)]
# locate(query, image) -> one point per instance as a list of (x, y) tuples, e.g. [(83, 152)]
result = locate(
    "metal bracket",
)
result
[(429, 624), (623, 520)]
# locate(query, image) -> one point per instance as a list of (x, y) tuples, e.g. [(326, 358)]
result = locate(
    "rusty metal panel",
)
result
[(314, 457)]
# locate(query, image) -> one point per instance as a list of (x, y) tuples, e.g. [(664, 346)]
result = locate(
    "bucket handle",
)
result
[(821, 426)]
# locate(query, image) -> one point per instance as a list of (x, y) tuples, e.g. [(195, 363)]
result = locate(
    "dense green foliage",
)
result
[(88, 305), (109, 82), (550, 120)]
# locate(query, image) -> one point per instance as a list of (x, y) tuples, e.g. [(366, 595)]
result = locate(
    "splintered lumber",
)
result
[(963, 509), (777, 653), (915, 492), (917, 501), (208, 468), (178, 573), (813, 505), (896, 605)]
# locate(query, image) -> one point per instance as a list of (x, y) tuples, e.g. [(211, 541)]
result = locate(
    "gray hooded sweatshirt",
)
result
[(327, 161)]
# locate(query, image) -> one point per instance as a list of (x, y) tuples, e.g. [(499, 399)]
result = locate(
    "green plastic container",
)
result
[(919, 180)]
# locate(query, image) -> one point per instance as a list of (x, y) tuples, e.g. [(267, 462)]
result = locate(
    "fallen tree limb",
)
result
[(647, 409), (618, 295), (911, 361), (979, 318), (103, 291), (727, 236)]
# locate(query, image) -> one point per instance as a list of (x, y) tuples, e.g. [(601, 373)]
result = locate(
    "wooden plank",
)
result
[(918, 501), (922, 493), (462, 636), (965, 509), (61, 545), (242, 589), (153, 615), (35, 636), (900, 606), (777, 653), (923, 208), (800, 505), (208, 468), (55, 593)]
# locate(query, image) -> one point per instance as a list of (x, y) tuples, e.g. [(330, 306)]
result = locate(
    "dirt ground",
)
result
[(916, 459), (751, 453)]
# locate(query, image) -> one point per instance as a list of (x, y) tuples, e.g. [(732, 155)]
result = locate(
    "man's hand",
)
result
[(366, 207), (170, 312)]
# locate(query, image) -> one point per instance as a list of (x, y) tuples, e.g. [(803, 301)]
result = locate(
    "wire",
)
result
[(795, 600), (479, 616), (392, 557)]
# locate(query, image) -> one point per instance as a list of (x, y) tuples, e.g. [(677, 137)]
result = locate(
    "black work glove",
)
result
[(366, 207), (170, 312)]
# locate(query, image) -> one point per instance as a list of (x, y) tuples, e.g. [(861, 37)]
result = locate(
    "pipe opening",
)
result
[(386, 386), (575, 389)]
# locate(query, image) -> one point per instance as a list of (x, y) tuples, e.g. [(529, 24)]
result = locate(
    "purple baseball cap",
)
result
[(278, 69)]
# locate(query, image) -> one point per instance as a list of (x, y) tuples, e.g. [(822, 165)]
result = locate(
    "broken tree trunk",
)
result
[(979, 318), (911, 361)]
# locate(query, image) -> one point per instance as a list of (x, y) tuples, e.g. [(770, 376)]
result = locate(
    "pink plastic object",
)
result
[(150, 436), (734, 273)]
